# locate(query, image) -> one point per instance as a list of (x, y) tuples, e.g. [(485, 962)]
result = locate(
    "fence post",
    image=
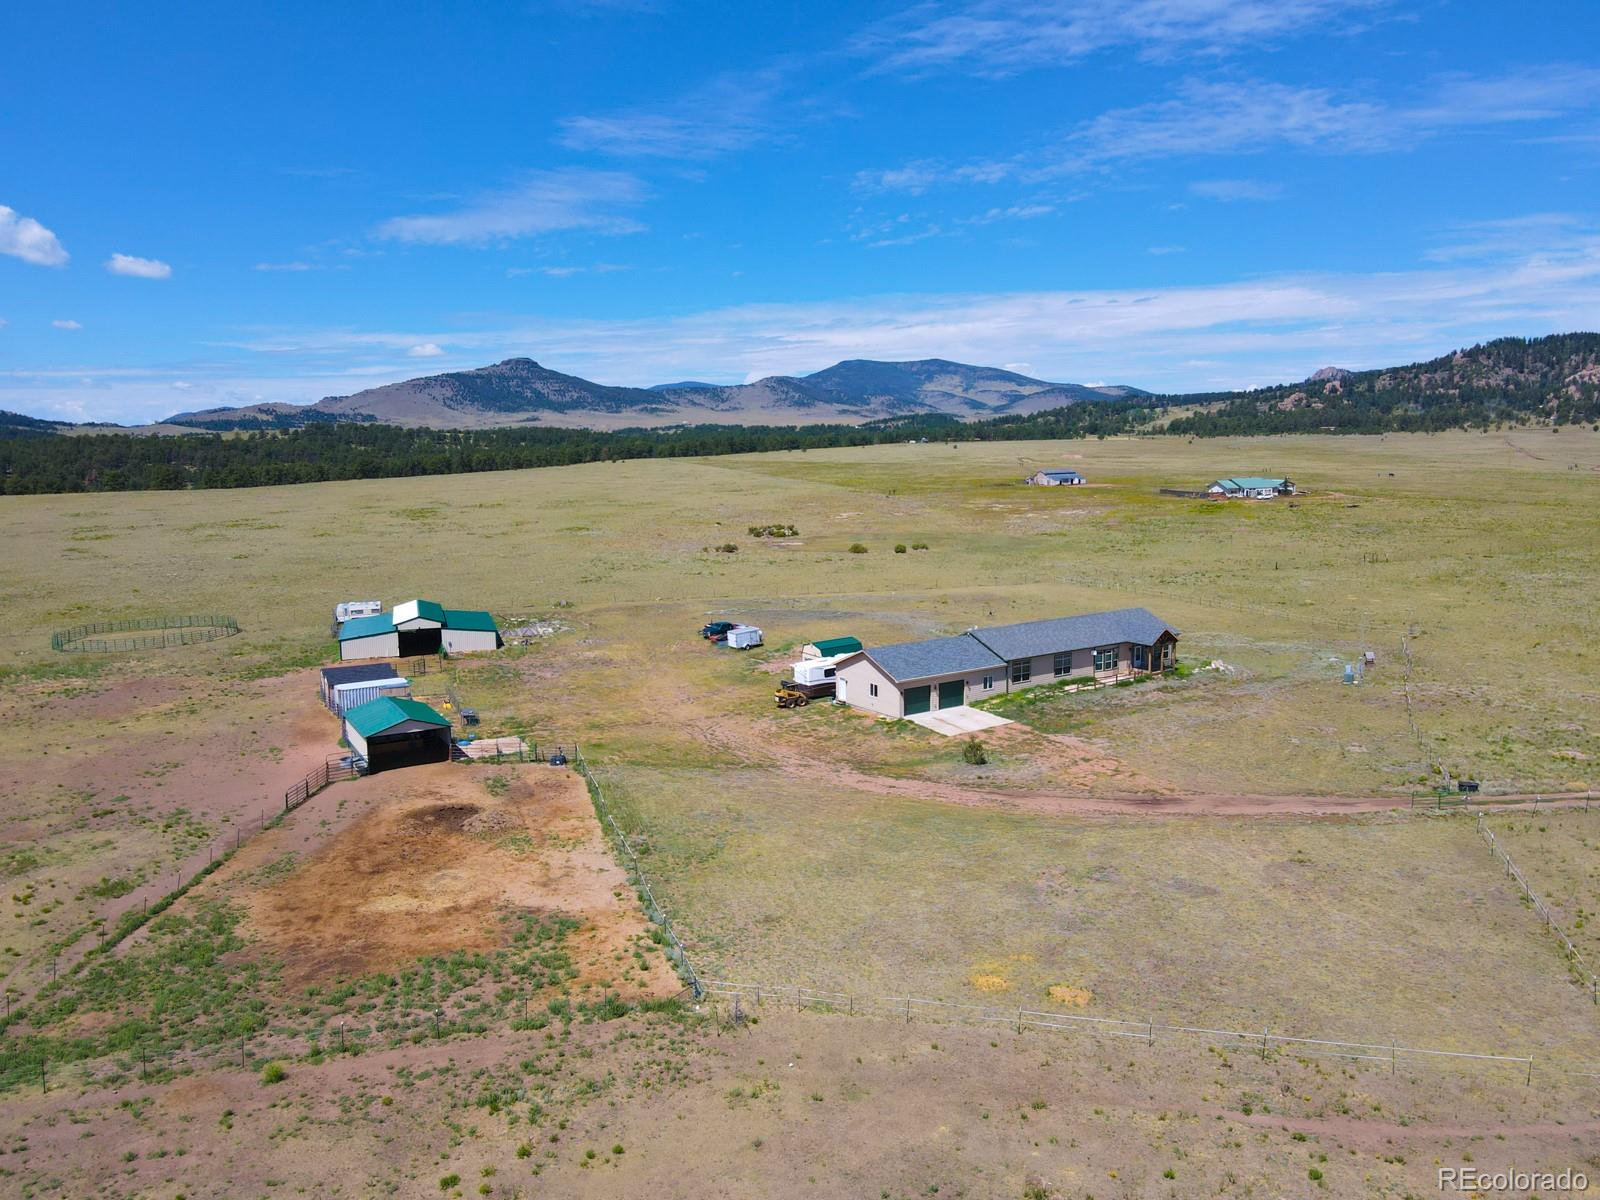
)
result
[(1530, 1071), (908, 1010), (1264, 1034)]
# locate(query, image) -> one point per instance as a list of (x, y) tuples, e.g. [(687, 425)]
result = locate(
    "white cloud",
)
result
[(997, 38), (544, 202), (23, 237), (138, 268), (425, 350), (729, 113), (66, 324), (1229, 333), (1236, 189), (1206, 118)]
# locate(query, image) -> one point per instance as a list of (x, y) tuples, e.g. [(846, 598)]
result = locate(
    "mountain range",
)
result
[(519, 391)]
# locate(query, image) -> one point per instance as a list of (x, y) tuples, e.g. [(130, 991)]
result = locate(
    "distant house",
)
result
[(1055, 478), (417, 627), (915, 677), (1251, 487)]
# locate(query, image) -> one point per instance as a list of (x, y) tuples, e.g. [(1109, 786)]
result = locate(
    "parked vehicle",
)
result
[(716, 631), (789, 697), (743, 637)]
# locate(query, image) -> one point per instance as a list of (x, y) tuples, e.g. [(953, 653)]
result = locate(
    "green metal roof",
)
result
[(827, 647), (386, 712), (1249, 482), (360, 627), (468, 618), (428, 610)]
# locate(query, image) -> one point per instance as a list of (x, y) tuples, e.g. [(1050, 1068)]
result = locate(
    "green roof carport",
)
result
[(828, 647), (386, 712)]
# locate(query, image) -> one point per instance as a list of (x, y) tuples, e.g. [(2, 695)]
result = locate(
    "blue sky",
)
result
[(206, 207)]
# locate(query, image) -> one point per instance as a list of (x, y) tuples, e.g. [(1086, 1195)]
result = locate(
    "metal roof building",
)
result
[(394, 732), (418, 627)]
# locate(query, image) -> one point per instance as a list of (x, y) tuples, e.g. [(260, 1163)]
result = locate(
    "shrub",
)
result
[(972, 751), (919, 545), (727, 548), (789, 530), (1314, 1175), (857, 548), (446, 1182), (899, 547), (273, 1072)]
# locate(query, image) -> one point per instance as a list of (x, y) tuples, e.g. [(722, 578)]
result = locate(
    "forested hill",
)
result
[(1553, 380), (136, 462), (1512, 380)]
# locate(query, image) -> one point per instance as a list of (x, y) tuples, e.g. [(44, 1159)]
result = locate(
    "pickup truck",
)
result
[(716, 631)]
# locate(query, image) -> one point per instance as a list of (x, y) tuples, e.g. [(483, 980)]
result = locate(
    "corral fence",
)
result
[(152, 633), (1184, 494), (335, 768), (1262, 1042), (1574, 959), (636, 875)]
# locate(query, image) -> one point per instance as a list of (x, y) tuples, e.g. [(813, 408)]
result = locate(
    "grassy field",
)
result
[(823, 847), (1559, 853)]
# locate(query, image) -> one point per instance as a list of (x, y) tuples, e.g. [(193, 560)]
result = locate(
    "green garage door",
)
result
[(918, 700), (952, 692)]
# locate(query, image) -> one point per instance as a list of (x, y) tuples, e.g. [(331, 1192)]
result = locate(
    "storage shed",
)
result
[(332, 677), (1061, 478), (830, 647), (357, 692), (391, 732)]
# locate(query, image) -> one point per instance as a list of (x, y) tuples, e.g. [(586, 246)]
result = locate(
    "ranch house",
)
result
[(418, 627), (1251, 487), (1055, 479), (915, 677)]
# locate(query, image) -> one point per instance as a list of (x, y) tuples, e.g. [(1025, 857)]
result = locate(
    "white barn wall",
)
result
[(468, 641), (379, 645)]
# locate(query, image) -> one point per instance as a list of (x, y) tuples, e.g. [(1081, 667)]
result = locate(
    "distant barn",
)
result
[(418, 627), (1055, 479)]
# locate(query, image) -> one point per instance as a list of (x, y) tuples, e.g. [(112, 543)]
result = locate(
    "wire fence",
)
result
[(173, 631), (1263, 1042), (1575, 960), (652, 907)]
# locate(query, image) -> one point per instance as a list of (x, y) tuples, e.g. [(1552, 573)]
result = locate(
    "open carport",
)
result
[(393, 732)]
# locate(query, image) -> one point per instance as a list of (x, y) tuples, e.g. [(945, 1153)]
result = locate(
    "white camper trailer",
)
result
[(742, 637), (348, 609), (814, 671)]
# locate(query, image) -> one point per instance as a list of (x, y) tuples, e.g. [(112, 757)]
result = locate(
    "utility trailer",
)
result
[(743, 637)]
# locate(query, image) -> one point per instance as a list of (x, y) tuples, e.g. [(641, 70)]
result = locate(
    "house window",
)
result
[(1105, 658), (1022, 670), (988, 683), (1064, 664), (872, 690)]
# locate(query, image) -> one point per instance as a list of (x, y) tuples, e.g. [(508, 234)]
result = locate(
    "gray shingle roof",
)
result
[(1032, 638), (941, 656)]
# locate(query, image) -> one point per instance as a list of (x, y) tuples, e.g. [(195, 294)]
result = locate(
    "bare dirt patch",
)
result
[(434, 863)]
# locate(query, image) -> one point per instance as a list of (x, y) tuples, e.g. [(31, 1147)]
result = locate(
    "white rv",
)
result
[(349, 609)]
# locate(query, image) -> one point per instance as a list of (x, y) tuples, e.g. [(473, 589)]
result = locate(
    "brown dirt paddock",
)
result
[(436, 857)]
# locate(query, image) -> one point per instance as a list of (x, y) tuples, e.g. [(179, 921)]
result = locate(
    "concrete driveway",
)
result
[(952, 722)]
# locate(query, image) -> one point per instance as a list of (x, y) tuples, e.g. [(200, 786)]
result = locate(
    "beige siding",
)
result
[(357, 742), (857, 678)]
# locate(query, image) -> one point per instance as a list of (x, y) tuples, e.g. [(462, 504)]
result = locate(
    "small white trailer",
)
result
[(742, 637), (349, 609)]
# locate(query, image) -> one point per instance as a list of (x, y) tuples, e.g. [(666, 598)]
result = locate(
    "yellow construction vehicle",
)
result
[(788, 697)]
